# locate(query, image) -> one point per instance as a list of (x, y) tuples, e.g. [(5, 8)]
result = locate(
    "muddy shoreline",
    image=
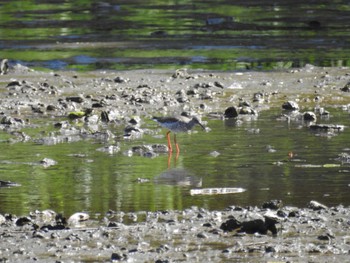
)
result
[(105, 99)]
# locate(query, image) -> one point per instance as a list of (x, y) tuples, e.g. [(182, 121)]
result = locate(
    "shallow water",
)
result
[(85, 35), (88, 180)]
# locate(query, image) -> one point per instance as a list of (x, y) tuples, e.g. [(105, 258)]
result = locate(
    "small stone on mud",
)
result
[(214, 153), (314, 205), (309, 116), (231, 112), (46, 162), (290, 105)]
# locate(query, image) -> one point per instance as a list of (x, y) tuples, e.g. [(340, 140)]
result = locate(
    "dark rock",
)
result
[(290, 105), (327, 127), (219, 85), (254, 226), (76, 99), (117, 256), (109, 116), (98, 105), (13, 122), (202, 235), (51, 108), (309, 116), (112, 224), (231, 225), (120, 80), (346, 88), (273, 204), (281, 213), (270, 249), (23, 221), (8, 184), (247, 110), (14, 83), (270, 223), (294, 214), (231, 112)]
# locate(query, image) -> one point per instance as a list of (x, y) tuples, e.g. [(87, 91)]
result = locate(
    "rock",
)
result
[(92, 119), (214, 153), (109, 116), (118, 257), (132, 132), (13, 122), (231, 225), (4, 66), (8, 184), (309, 116), (219, 84), (272, 204), (346, 88), (231, 112), (76, 99), (258, 97), (314, 205), (111, 149), (290, 105), (247, 110), (47, 162), (22, 221), (327, 127), (120, 80), (2, 219), (77, 218)]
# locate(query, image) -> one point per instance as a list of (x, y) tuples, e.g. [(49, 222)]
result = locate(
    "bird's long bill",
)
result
[(200, 124)]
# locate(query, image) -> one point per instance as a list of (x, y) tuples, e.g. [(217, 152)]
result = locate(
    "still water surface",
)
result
[(220, 35), (88, 180)]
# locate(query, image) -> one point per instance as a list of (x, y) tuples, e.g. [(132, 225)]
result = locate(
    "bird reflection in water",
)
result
[(179, 177)]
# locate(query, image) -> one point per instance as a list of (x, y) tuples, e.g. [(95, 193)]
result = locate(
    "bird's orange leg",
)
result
[(169, 143), (177, 146)]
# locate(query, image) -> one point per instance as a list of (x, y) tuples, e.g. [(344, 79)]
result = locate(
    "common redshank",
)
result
[(175, 125)]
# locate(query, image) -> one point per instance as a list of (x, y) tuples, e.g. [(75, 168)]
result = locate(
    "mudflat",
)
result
[(269, 233)]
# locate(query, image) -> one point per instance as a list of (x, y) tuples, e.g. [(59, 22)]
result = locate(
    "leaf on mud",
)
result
[(76, 115), (331, 165), (327, 165)]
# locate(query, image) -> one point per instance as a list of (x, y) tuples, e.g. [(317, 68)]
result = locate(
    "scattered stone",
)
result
[(231, 112), (110, 149), (346, 88), (327, 127), (290, 105), (22, 221), (47, 162), (273, 204), (2, 219), (77, 218), (76, 99), (314, 205), (8, 184), (309, 116), (214, 153), (247, 110), (4, 66)]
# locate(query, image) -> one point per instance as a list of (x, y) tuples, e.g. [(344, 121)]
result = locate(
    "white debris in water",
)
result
[(217, 191)]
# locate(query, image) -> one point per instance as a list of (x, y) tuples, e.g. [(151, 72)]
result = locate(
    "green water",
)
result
[(220, 35), (88, 180)]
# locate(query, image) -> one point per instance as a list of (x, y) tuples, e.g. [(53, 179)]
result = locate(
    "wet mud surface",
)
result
[(102, 100), (268, 233)]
